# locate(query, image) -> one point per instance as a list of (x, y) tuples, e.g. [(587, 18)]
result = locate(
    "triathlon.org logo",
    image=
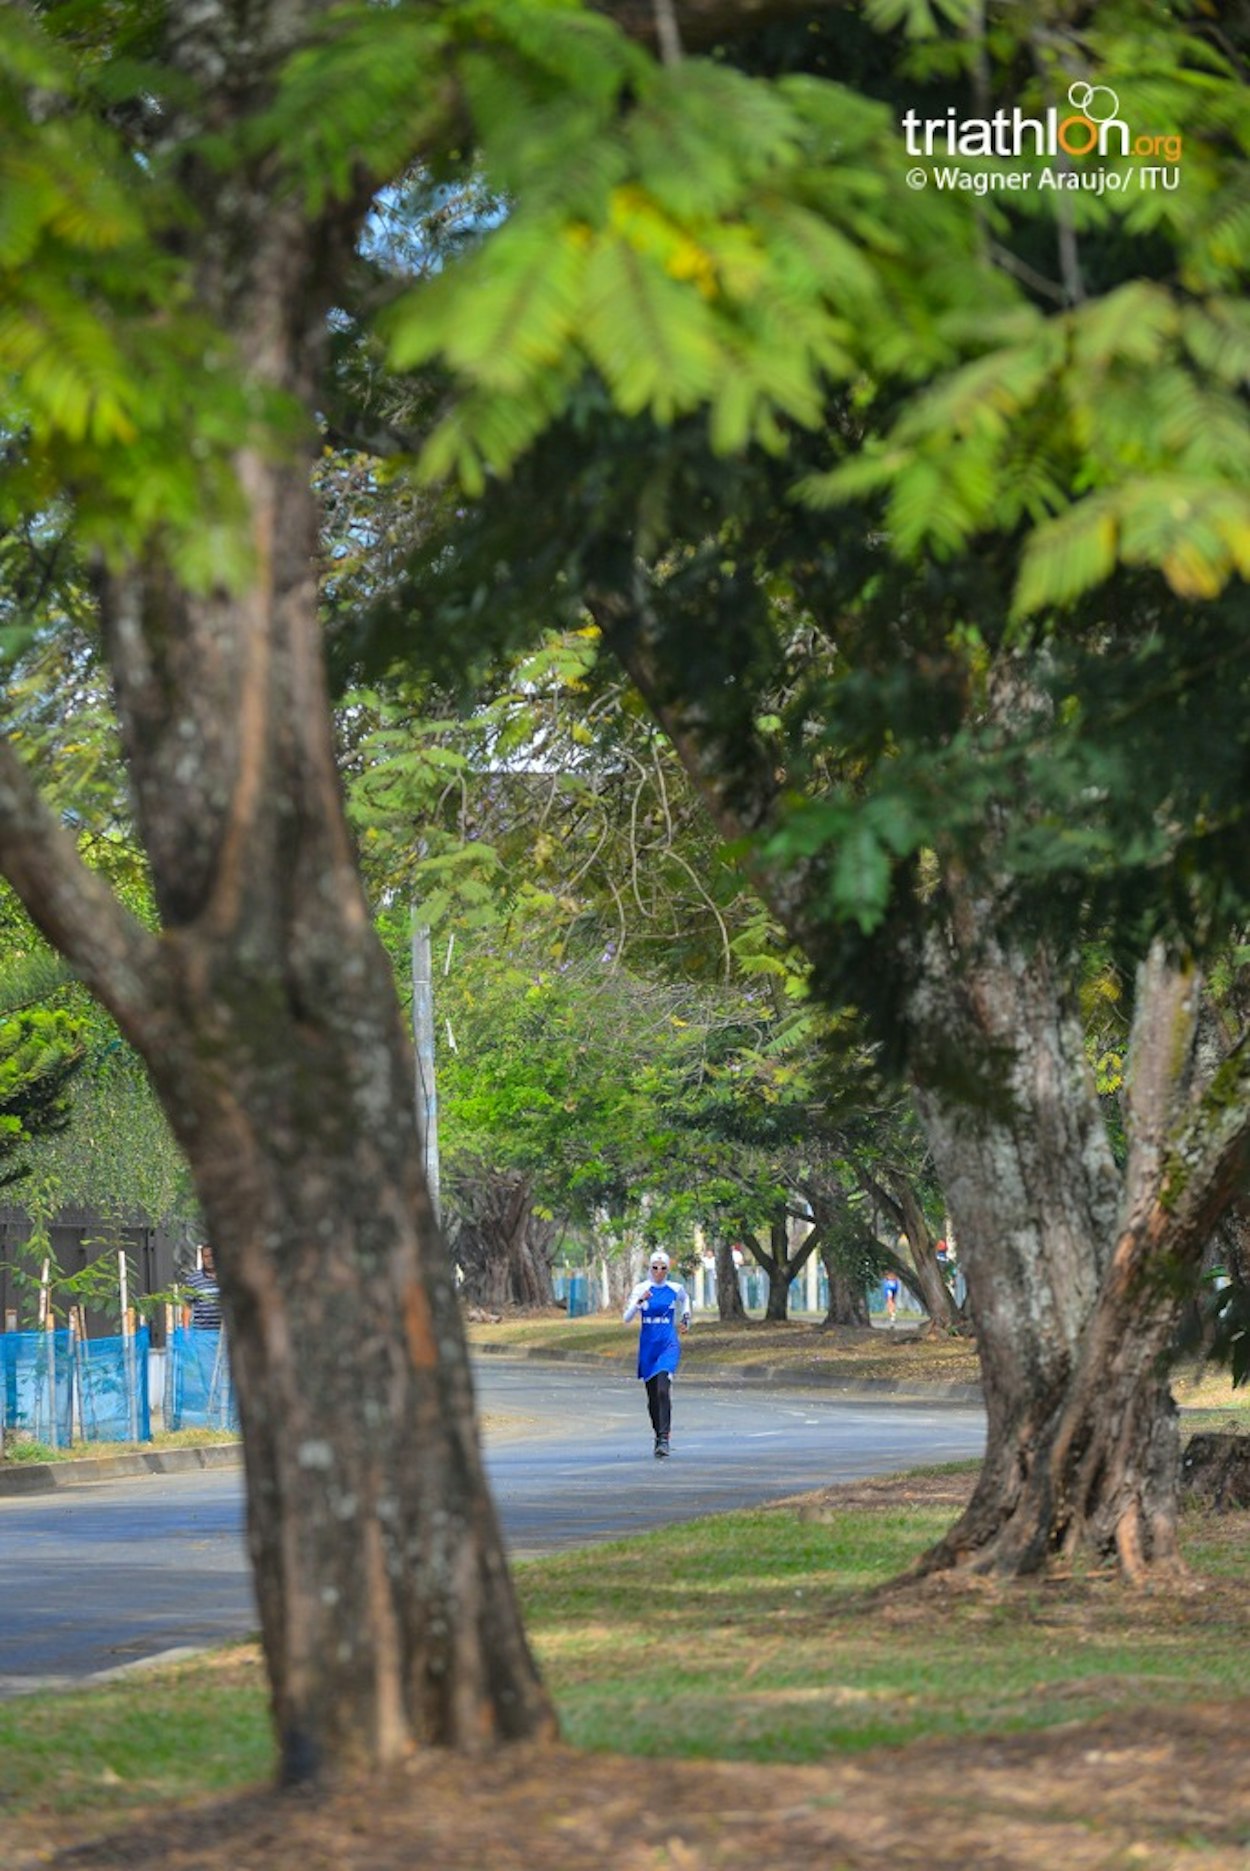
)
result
[(1094, 128)]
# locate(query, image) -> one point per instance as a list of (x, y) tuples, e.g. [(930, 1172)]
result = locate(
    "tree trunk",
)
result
[(387, 1613), (268, 1019), (1216, 1472), (850, 1259), (925, 1275), (729, 1306), (776, 1264), (848, 1302), (503, 1249), (1074, 1321), (780, 1265)]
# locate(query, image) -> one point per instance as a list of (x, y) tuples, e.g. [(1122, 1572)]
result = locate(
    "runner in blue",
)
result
[(664, 1308)]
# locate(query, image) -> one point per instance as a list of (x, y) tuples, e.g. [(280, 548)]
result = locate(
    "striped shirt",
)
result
[(206, 1303)]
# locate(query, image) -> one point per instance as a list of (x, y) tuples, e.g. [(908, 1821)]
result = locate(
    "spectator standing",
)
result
[(204, 1309), (664, 1308)]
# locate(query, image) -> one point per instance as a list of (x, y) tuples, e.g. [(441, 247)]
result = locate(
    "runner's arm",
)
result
[(631, 1305)]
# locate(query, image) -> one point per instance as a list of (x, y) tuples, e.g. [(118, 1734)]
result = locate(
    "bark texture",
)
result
[(267, 1016), (1075, 1273), (1216, 1472)]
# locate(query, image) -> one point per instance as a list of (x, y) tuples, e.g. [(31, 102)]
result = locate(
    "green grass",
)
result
[(144, 1739), (26, 1449), (760, 1635), (21, 1449), (1233, 1419), (797, 1346)]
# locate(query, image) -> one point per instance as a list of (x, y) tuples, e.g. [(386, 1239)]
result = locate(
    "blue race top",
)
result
[(659, 1346)]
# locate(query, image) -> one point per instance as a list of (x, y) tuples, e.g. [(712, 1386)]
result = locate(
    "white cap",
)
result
[(660, 1258)]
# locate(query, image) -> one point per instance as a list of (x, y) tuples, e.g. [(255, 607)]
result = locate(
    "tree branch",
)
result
[(880, 1195), (727, 762), (75, 909), (1161, 1046), (1208, 1157)]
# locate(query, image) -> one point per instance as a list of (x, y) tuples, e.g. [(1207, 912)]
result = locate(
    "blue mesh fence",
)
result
[(576, 1290), (579, 1295), (36, 1396), (112, 1374), (199, 1392), (754, 1286)]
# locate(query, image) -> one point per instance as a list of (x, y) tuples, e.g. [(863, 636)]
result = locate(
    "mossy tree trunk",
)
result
[(848, 1301), (1077, 1274)]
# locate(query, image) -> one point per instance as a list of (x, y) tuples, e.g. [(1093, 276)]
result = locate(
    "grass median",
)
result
[(795, 1347)]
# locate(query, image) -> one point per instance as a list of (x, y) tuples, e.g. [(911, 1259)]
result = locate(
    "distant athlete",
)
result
[(891, 1297), (664, 1309)]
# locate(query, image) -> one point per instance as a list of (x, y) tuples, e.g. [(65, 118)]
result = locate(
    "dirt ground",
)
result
[(1138, 1790), (1154, 1794)]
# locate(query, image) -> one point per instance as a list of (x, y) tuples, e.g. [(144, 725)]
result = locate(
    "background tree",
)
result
[(898, 664), (41, 1051)]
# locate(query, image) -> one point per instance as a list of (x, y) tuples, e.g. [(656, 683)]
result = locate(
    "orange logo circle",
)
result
[(1079, 149)]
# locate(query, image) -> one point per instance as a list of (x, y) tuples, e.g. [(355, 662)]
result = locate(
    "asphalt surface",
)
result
[(585, 1470), (105, 1574)]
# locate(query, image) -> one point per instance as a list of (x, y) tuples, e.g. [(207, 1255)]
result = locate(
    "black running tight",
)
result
[(660, 1401)]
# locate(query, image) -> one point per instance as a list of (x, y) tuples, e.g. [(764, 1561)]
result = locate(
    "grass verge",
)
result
[(801, 1350), (795, 1346), (759, 1636), (764, 1636), (23, 1449)]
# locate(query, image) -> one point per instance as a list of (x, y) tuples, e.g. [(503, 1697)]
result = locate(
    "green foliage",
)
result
[(555, 801), (708, 241), (557, 1072), (41, 1051), (91, 1133), (696, 236), (117, 1156), (120, 402), (1128, 401), (918, 19)]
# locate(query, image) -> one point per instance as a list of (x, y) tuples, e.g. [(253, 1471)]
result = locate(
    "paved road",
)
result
[(586, 1471), (106, 1574)]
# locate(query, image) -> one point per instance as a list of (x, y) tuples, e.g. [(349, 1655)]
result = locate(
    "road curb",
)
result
[(773, 1375), (47, 1477), (871, 1389)]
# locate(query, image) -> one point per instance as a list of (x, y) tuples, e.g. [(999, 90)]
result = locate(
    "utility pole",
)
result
[(423, 1043)]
